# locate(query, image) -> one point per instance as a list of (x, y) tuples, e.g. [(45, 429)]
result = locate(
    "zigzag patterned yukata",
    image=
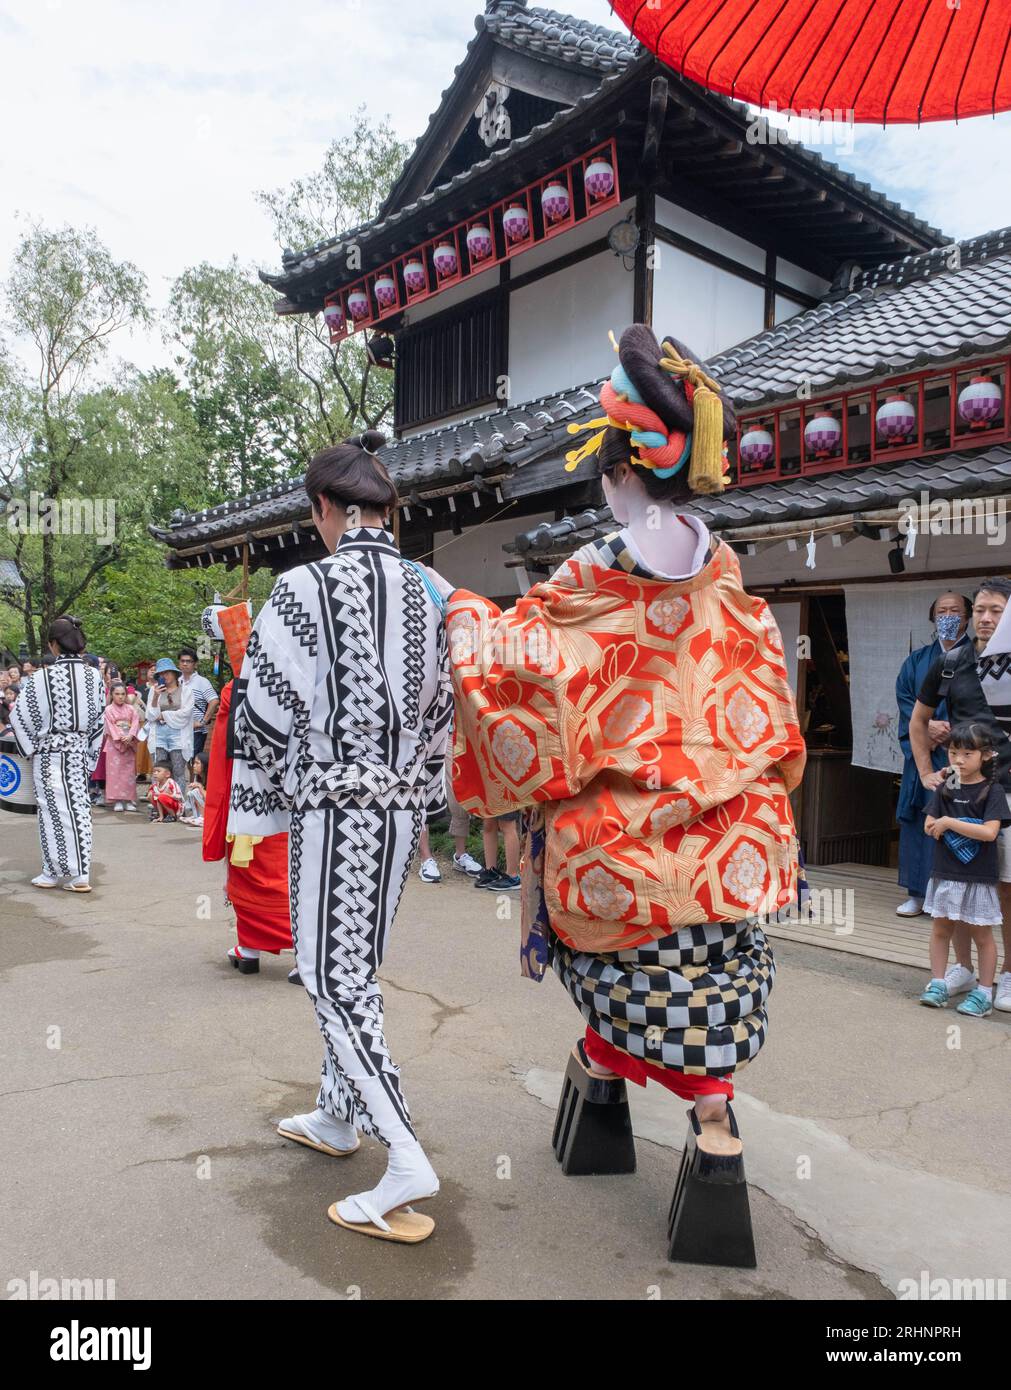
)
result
[(346, 708), (58, 721)]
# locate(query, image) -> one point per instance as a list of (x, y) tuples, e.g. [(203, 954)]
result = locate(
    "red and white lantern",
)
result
[(822, 435), (598, 179), (444, 258), (358, 305), (555, 202), (414, 277), (757, 447), (515, 224), (895, 419), (479, 242), (384, 287), (979, 403)]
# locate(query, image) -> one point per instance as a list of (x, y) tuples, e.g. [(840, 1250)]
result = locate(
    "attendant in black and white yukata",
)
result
[(58, 721), (345, 704)]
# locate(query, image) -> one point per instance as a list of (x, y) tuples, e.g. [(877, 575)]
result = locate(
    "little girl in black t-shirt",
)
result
[(964, 818)]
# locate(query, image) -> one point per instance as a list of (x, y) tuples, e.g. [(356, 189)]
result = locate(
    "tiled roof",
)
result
[(504, 438), (10, 575), (560, 36), (916, 313), (802, 499), (575, 42)]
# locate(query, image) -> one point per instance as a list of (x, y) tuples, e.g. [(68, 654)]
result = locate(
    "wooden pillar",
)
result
[(770, 289), (642, 287)]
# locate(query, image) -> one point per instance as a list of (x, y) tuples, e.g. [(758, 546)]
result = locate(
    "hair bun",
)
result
[(371, 440)]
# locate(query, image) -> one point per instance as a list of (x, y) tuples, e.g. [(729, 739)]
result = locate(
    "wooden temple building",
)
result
[(569, 184)]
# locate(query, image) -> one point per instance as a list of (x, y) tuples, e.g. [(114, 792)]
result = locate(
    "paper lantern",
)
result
[(757, 447), (333, 317), (979, 403), (384, 288), (896, 419), (414, 277), (822, 435), (445, 260), (479, 242), (598, 179), (516, 223), (358, 305), (555, 202)]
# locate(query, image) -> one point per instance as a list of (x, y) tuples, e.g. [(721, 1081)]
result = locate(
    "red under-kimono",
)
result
[(650, 726), (258, 891)]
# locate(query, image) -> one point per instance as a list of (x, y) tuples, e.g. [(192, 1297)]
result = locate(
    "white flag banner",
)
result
[(884, 623)]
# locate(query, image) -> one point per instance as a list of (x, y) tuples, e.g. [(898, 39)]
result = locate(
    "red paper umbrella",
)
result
[(862, 60)]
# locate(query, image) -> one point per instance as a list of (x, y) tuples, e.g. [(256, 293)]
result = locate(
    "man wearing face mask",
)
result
[(950, 615)]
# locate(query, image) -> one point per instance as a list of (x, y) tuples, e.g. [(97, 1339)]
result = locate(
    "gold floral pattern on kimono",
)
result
[(654, 723)]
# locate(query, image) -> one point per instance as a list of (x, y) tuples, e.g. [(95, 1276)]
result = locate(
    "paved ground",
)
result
[(141, 1075)]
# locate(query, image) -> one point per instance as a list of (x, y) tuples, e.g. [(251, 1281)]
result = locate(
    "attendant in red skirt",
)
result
[(257, 876)]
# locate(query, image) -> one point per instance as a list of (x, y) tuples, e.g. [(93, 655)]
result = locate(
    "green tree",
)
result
[(357, 173), (65, 298)]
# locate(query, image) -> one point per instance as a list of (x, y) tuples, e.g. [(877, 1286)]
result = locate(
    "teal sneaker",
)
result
[(936, 995), (977, 1004)]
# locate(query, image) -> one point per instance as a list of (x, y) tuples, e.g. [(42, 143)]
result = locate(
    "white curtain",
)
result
[(787, 617), (884, 623)]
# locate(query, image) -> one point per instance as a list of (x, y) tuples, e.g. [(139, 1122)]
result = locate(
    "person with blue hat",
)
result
[(170, 718)]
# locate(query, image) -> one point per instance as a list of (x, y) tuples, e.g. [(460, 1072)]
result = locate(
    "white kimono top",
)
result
[(345, 692), (61, 709)]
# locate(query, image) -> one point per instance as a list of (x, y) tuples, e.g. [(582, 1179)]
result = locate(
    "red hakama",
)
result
[(257, 891)]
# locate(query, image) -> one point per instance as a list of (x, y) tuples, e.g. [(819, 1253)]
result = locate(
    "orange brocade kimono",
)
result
[(651, 725)]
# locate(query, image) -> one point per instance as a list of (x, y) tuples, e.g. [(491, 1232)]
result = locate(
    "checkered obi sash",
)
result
[(63, 741), (693, 1001), (367, 785)]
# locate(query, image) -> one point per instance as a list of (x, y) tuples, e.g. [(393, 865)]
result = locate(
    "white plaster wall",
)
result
[(558, 326), (475, 560), (711, 235), (707, 308), (799, 279), (459, 294), (590, 230), (786, 308)]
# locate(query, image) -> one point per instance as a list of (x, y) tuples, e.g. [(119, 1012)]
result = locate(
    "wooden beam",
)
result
[(642, 285)]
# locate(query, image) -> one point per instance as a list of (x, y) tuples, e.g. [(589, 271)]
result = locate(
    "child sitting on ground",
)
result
[(964, 817), (165, 796), (193, 810)]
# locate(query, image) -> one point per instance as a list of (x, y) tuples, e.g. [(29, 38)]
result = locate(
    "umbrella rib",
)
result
[(814, 55), (997, 75), (936, 60), (704, 26), (853, 42), (972, 51), (905, 56), (867, 73), (667, 24), (793, 39), (755, 46)]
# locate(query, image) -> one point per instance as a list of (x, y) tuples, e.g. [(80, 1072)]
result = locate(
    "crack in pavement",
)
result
[(79, 1080)]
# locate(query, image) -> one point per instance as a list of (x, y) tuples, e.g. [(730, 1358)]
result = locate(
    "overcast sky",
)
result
[(155, 122)]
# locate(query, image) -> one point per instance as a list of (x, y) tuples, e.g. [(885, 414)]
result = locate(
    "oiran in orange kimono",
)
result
[(638, 703)]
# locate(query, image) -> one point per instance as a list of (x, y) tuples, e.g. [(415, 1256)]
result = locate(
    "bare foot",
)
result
[(716, 1136)]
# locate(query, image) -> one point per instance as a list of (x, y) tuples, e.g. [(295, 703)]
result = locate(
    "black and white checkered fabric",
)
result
[(693, 1001)]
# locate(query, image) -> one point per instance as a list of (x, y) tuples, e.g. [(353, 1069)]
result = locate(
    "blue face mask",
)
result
[(947, 625)]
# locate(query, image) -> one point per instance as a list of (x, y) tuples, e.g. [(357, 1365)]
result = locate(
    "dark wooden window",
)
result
[(452, 362)]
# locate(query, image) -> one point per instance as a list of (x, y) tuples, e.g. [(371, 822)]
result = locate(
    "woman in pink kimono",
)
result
[(122, 724)]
